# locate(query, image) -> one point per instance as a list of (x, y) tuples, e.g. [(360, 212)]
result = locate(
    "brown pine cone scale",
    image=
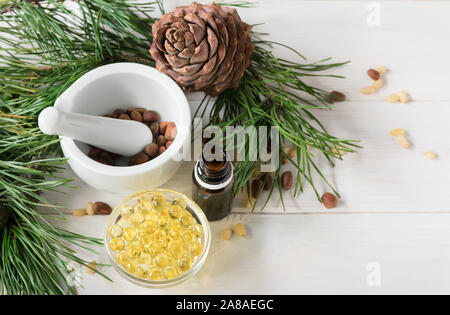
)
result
[(202, 47)]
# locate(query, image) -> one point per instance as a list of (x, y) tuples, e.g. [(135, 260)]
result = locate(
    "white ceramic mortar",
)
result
[(125, 85)]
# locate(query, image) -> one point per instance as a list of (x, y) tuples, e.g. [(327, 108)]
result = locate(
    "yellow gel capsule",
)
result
[(122, 258), (159, 234), (166, 242), (186, 220), (126, 211), (130, 266), (177, 251), (133, 250), (174, 233), (141, 271), (188, 236), (180, 202), (117, 244), (196, 249), (162, 261), (159, 202), (129, 233), (154, 274), (170, 272), (175, 212), (163, 221), (198, 230), (115, 230), (137, 218), (184, 264), (146, 241), (145, 205), (145, 259), (149, 227), (152, 217)]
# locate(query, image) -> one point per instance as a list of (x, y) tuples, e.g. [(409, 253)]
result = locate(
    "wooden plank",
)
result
[(380, 177), (293, 254)]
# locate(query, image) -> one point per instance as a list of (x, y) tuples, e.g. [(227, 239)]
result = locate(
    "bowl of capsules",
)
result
[(157, 238)]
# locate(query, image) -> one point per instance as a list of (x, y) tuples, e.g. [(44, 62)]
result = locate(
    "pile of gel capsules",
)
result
[(156, 239)]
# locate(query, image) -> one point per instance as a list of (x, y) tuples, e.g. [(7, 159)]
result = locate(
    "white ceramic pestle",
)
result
[(124, 137)]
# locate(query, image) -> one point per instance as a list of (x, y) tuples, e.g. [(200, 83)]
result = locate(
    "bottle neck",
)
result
[(213, 174)]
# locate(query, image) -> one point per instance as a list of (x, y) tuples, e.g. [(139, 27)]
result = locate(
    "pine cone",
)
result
[(202, 47)]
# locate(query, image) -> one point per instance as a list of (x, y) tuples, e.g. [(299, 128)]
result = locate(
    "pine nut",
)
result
[(91, 267), (403, 97), (430, 155), (240, 230), (226, 234), (393, 98), (90, 208), (378, 84), (398, 132), (79, 212), (381, 69), (367, 90), (373, 74), (404, 143)]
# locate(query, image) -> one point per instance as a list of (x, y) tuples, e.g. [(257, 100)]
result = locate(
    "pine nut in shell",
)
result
[(373, 74)]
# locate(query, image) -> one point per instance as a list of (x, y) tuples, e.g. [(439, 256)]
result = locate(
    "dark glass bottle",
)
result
[(212, 188)]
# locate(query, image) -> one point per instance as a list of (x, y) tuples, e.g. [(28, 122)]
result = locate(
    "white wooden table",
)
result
[(391, 232)]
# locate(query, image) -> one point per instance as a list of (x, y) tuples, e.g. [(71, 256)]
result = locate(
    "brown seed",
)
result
[(162, 149), (107, 157), (168, 143), (117, 113), (150, 115), (163, 126), (139, 158), (102, 208), (136, 109), (286, 180), (337, 96), (284, 160), (256, 187), (373, 74), (124, 117), (115, 156), (161, 140), (329, 200), (268, 179), (154, 127), (151, 150), (94, 152), (136, 116), (171, 131), (102, 161)]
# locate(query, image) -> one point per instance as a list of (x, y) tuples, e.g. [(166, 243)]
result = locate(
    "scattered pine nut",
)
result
[(90, 208), (403, 97), (226, 234), (367, 90), (240, 230), (381, 69), (79, 212), (430, 155), (398, 132), (91, 267), (378, 84), (404, 143), (393, 98), (292, 153)]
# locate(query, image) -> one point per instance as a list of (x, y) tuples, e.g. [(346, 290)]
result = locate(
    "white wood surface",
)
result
[(395, 207)]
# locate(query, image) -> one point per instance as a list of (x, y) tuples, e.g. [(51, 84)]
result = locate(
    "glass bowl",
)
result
[(198, 215)]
